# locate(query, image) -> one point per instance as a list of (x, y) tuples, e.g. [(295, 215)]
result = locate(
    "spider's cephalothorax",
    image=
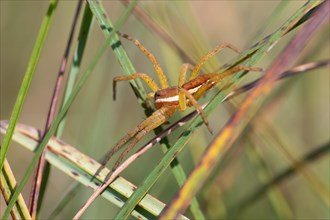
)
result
[(168, 99), (170, 96)]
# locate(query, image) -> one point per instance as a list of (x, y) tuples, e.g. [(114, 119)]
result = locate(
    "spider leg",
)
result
[(117, 147), (215, 78), (183, 93), (182, 77), (195, 104), (149, 99), (151, 83), (162, 78), (199, 64), (155, 120), (236, 69), (184, 68)]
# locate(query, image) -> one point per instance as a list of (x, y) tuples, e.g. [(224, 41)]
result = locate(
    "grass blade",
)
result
[(77, 58), (55, 124), (7, 185), (27, 79), (107, 27), (255, 53), (236, 124), (320, 151), (82, 168), (42, 169), (72, 78), (128, 68)]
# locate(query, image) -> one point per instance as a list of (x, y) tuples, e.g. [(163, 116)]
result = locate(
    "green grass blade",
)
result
[(128, 68), (257, 52), (228, 135), (51, 132), (77, 58), (311, 157), (81, 167), (275, 196), (85, 28), (311, 179), (7, 184), (27, 79), (56, 122), (272, 18), (123, 59)]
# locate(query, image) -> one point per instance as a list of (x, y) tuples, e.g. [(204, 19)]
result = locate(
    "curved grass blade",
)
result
[(82, 168), (236, 124), (27, 79), (255, 53)]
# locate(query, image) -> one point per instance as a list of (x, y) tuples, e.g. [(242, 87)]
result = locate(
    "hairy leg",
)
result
[(158, 118), (215, 78), (151, 83), (199, 64), (182, 77), (160, 73), (197, 106)]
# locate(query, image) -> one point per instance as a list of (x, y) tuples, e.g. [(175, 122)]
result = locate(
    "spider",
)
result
[(168, 99)]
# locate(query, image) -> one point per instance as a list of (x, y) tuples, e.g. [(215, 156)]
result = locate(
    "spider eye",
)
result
[(157, 94)]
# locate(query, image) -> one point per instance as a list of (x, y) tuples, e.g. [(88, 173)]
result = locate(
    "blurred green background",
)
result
[(296, 117)]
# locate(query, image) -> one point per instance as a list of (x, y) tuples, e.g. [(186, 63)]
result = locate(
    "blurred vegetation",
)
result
[(294, 122)]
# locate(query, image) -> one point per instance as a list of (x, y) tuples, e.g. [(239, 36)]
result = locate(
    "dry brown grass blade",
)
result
[(294, 71), (239, 120), (40, 175)]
